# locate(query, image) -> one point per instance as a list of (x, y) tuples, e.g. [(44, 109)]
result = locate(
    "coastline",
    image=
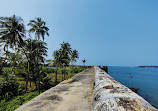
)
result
[(147, 66)]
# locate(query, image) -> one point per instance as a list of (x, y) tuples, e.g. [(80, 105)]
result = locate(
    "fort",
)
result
[(90, 90)]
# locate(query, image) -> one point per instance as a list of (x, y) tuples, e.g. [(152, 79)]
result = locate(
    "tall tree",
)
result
[(62, 56), (38, 28), (12, 31), (58, 62), (36, 50), (65, 53), (74, 56)]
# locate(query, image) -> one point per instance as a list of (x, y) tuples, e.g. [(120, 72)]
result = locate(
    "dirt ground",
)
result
[(73, 94)]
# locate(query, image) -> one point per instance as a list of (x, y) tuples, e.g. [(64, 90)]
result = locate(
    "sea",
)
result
[(146, 79)]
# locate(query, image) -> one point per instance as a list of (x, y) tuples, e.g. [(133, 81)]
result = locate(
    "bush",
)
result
[(77, 69), (47, 82), (17, 101), (21, 88), (8, 87), (48, 69)]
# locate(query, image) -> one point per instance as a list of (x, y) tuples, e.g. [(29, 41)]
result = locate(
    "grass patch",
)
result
[(17, 101)]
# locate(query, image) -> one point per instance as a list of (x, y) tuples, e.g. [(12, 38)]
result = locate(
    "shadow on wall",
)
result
[(105, 68)]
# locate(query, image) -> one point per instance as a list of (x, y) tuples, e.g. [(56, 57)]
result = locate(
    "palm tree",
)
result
[(36, 50), (65, 53), (38, 27), (58, 58), (74, 56), (84, 61), (58, 61), (12, 31), (62, 57)]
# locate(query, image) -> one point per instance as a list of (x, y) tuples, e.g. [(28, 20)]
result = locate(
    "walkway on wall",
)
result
[(73, 94)]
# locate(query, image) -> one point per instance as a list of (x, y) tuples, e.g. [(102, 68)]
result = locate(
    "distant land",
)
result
[(147, 66)]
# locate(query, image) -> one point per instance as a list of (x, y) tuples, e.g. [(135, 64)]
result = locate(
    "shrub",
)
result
[(47, 82), (77, 69), (17, 101), (8, 87), (49, 69)]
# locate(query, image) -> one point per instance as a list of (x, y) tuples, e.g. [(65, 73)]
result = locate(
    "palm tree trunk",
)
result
[(14, 69), (62, 76), (30, 83), (27, 76), (64, 73), (39, 87), (56, 77), (36, 85), (26, 82)]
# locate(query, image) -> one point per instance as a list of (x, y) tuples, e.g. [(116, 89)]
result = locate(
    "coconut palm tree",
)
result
[(12, 31), (62, 56), (74, 56), (65, 53), (36, 50), (38, 28), (57, 61)]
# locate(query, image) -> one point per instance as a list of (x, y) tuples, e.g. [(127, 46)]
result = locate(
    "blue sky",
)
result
[(105, 32)]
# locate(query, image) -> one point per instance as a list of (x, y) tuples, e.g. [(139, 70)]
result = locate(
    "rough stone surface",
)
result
[(110, 95), (70, 95)]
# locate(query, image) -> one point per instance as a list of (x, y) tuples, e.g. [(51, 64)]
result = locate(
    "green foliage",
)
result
[(16, 101), (74, 56), (8, 87), (38, 27), (76, 69), (62, 56), (49, 69), (1, 64), (47, 82), (26, 62), (12, 33), (21, 88), (9, 70)]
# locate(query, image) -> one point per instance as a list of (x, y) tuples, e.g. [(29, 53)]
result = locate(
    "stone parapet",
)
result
[(110, 95)]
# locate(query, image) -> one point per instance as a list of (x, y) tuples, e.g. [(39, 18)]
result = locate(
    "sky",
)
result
[(105, 32)]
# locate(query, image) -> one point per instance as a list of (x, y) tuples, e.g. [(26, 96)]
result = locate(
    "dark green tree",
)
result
[(38, 27), (74, 56), (36, 51), (12, 32), (8, 86)]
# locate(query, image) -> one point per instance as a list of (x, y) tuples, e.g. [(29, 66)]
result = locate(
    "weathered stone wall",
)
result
[(110, 95)]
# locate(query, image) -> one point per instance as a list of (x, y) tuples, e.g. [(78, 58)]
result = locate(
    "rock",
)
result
[(134, 89)]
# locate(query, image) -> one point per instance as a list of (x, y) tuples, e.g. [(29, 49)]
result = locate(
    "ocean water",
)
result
[(146, 79)]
